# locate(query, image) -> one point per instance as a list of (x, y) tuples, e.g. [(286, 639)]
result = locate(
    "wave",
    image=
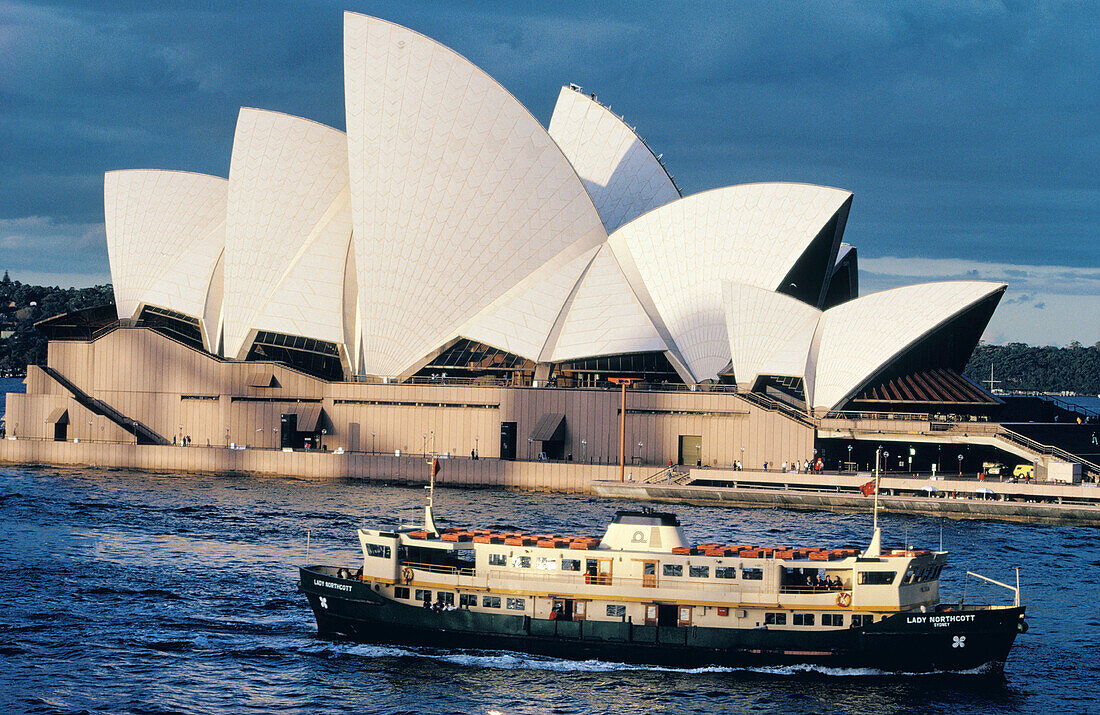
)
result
[(509, 660)]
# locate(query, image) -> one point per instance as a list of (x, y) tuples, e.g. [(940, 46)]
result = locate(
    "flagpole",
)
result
[(877, 452)]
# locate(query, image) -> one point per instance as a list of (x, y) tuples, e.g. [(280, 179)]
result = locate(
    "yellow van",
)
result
[(1024, 471)]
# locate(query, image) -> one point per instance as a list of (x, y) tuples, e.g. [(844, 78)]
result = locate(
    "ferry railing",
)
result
[(731, 588), (440, 569)]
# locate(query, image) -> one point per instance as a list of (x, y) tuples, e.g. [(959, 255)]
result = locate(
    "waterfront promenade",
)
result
[(1040, 502)]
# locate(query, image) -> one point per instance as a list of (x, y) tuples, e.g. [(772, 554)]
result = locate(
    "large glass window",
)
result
[(725, 572), (673, 569), (877, 578), (616, 611), (517, 604), (498, 560), (570, 564), (699, 571)]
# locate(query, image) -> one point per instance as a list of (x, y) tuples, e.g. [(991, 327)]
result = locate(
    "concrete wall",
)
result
[(177, 391), (538, 476)]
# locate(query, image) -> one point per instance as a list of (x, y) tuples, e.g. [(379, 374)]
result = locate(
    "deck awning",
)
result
[(549, 428), (60, 416), (263, 378), (309, 418)]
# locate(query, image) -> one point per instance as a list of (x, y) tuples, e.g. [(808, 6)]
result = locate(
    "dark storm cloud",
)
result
[(965, 129)]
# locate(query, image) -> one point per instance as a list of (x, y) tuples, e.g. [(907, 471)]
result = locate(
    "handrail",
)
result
[(1015, 589), (1040, 448)]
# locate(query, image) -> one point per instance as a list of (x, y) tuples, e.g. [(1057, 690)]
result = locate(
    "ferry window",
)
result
[(752, 574), (725, 572), (523, 562), (775, 619), (616, 611), (423, 594), (498, 560), (803, 619), (832, 619), (570, 564), (858, 620), (877, 578), (517, 604), (401, 592), (490, 601), (446, 598), (699, 571), (544, 562), (379, 551), (467, 599), (673, 569)]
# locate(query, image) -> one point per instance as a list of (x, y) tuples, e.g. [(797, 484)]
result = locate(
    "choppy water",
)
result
[(127, 592)]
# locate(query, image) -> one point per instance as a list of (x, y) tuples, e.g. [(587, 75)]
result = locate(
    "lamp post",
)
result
[(622, 382), (476, 454), (91, 432), (584, 450), (323, 433), (372, 442), (133, 423), (424, 444), (960, 465), (181, 435), (641, 448), (530, 446), (849, 457), (885, 463), (227, 437)]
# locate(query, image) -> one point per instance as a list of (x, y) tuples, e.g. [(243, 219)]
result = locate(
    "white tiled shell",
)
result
[(165, 232), (621, 174), (857, 338), (521, 320), (287, 230), (457, 192), (769, 333), (683, 251), (604, 317)]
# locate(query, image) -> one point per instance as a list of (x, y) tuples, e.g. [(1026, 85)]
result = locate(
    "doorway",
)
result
[(649, 574), (691, 450), (288, 430), (666, 614)]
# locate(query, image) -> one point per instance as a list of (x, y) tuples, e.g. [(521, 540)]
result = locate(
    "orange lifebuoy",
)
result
[(844, 599), (406, 574)]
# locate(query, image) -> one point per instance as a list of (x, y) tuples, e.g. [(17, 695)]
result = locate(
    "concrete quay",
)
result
[(1036, 502), (1041, 502)]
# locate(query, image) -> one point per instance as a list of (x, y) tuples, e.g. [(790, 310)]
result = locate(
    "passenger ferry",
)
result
[(642, 594)]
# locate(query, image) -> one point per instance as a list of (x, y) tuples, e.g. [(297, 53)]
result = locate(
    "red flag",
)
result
[(867, 489), (435, 466)]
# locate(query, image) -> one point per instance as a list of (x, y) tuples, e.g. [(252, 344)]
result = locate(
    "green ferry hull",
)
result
[(956, 640)]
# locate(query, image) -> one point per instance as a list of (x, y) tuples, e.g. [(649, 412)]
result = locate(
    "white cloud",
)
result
[(1044, 305)]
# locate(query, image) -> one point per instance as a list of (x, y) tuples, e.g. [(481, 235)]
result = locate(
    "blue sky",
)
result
[(969, 131)]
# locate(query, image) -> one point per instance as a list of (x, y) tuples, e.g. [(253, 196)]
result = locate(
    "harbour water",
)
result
[(128, 592), (9, 384)]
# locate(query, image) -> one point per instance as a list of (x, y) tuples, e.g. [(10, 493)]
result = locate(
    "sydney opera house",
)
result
[(450, 276)]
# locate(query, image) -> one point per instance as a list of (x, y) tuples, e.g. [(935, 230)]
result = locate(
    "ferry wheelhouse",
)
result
[(640, 593)]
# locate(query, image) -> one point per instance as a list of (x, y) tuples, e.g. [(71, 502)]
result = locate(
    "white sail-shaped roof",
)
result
[(857, 338), (165, 232), (457, 192), (604, 317), (621, 174), (522, 320), (769, 333), (288, 229), (683, 251)]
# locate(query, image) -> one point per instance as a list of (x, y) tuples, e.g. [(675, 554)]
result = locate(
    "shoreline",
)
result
[(1037, 502)]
